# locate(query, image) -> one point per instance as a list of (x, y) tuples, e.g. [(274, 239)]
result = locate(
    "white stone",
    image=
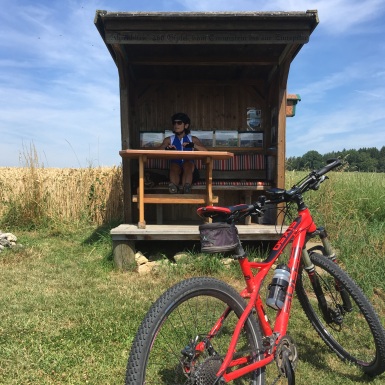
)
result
[(11, 237), (144, 269), (180, 255), (227, 261), (140, 259)]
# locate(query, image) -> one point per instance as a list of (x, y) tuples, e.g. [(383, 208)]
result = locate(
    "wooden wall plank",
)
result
[(221, 107)]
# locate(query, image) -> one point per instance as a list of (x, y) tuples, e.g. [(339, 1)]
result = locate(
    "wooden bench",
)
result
[(242, 172)]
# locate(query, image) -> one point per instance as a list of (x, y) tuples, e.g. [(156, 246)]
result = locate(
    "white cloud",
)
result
[(360, 77), (325, 128), (58, 86)]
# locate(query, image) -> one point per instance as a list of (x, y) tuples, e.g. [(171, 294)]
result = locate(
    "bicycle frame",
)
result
[(297, 233)]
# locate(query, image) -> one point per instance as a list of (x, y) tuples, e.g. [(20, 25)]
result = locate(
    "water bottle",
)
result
[(277, 288)]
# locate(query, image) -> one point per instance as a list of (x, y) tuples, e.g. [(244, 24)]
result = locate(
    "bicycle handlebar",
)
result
[(311, 182), (331, 164), (314, 179)]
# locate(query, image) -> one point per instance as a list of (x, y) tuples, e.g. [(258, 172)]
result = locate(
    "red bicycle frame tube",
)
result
[(295, 233)]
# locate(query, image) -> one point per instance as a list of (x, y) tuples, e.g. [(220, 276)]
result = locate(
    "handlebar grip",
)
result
[(332, 163)]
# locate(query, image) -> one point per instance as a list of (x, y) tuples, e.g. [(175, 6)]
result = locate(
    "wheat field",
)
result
[(67, 194)]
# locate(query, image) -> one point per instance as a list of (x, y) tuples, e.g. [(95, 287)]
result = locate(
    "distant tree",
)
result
[(366, 163), (293, 163), (381, 160), (352, 159), (373, 152), (312, 160), (369, 159)]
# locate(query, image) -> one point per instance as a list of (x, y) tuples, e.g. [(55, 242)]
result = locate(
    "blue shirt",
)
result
[(174, 140)]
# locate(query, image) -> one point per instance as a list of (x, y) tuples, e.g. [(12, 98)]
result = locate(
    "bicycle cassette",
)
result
[(206, 372)]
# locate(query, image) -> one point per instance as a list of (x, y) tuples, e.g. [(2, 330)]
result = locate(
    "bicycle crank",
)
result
[(286, 358)]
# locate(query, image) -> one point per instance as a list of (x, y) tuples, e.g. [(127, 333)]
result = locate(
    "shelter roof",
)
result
[(204, 45)]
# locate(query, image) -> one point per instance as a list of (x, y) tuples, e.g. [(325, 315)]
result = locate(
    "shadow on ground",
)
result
[(170, 248)]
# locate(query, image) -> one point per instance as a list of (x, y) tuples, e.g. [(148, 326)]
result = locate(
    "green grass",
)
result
[(68, 317), (351, 206)]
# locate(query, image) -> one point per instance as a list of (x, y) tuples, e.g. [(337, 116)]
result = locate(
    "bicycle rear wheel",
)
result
[(178, 325), (342, 315)]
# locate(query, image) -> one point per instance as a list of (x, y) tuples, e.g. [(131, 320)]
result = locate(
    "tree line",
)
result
[(364, 160)]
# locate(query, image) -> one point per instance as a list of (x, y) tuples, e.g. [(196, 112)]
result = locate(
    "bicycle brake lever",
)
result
[(257, 207), (317, 184)]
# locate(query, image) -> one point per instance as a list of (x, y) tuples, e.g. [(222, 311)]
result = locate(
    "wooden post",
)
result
[(124, 255), (281, 145), (209, 181), (142, 222), (125, 135)]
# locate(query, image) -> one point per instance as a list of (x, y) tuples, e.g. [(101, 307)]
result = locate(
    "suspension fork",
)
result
[(347, 304), (310, 269), (315, 282)]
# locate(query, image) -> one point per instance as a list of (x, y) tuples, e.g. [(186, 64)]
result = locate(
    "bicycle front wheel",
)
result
[(342, 315), (186, 333)]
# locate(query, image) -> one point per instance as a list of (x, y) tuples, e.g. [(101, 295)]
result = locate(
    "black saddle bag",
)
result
[(218, 237)]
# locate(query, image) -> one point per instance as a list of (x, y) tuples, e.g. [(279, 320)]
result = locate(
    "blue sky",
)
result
[(59, 85)]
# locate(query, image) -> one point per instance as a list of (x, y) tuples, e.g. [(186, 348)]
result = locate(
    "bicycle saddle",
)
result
[(218, 212)]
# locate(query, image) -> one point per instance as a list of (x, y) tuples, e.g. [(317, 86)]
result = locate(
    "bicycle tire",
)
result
[(186, 312), (358, 337)]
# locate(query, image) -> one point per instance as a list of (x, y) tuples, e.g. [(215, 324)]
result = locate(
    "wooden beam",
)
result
[(208, 37), (199, 199), (129, 232), (207, 62)]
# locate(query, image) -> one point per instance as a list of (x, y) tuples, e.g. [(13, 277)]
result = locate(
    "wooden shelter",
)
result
[(218, 68)]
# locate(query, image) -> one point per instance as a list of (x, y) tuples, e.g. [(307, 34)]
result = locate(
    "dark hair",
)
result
[(184, 118), (180, 116)]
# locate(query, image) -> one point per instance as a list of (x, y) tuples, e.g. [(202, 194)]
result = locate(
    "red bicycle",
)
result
[(204, 332)]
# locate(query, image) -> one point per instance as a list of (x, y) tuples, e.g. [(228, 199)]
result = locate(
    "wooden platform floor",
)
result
[(131, 232)]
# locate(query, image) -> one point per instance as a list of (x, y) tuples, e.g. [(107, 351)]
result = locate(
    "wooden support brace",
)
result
[(199, 199)]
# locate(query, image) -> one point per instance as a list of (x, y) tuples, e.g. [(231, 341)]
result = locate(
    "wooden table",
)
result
[(143, 155)]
